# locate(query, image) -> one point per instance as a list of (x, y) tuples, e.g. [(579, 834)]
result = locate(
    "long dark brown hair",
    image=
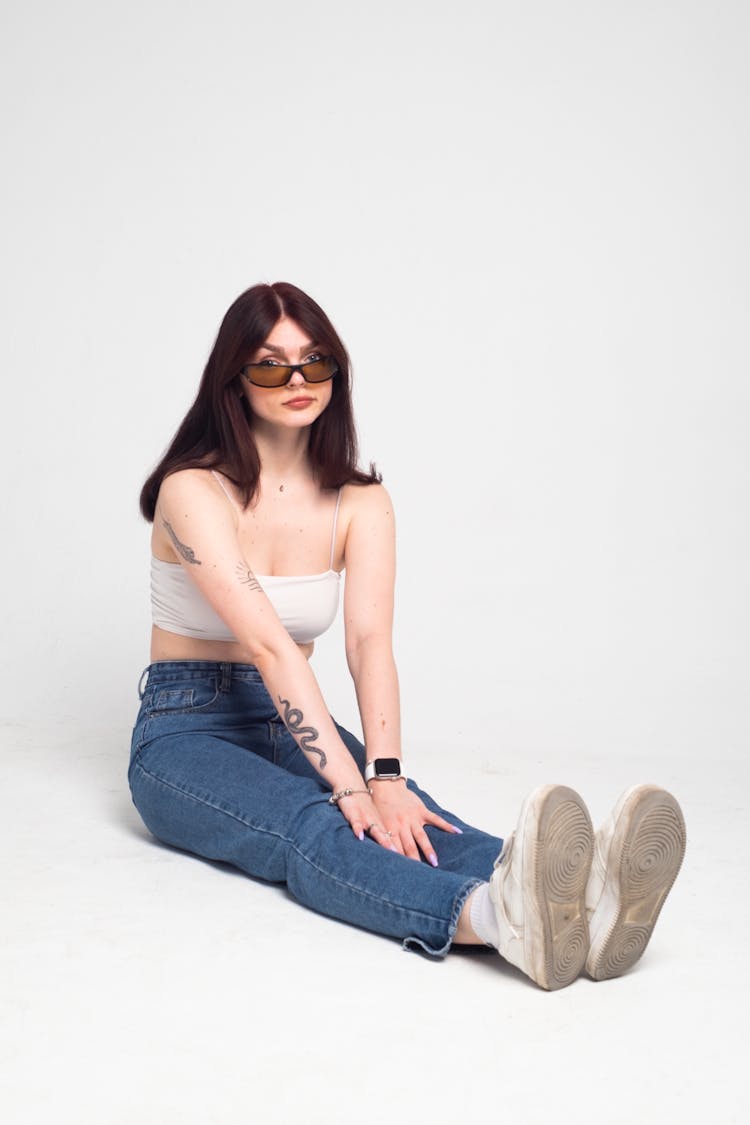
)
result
[(216, 431)]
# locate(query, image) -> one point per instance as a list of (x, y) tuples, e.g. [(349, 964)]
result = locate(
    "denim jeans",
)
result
[(214, 771)]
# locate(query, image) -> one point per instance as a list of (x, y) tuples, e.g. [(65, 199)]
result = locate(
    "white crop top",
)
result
[(306, 603)]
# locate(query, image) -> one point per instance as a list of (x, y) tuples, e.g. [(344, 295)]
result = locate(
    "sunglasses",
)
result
[(278, 375)]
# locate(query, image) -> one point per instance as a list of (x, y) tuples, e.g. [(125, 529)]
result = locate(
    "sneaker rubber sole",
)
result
[(644, 858), (558, 849)]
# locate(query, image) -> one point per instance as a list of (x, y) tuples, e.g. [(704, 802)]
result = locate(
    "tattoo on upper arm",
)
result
[(246, 576), (187, 553), (304, 735)]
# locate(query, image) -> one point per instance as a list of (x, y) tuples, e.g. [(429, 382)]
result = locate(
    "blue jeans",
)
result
[(214, 771)]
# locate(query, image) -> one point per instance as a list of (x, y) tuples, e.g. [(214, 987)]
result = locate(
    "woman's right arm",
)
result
[(201, 527)]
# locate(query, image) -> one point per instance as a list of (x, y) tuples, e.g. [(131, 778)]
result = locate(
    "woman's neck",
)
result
[(283, 456)]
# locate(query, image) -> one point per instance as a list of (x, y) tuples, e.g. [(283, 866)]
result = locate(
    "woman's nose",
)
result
[(296, 380)]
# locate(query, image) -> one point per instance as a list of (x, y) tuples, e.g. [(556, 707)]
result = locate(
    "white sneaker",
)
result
[(538, 887), (637, 854)]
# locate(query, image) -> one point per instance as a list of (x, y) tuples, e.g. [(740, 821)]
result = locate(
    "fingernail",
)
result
[(458, 831), (360, 835), (433, 859), (394, 848)]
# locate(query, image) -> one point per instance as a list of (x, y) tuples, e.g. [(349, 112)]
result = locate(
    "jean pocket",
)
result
[(184, 700)]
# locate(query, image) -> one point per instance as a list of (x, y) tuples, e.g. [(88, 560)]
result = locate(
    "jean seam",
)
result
[(278, 836), (141, 737), (273, 740)]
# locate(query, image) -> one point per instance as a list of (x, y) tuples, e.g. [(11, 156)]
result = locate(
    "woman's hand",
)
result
[(365, 820), (404, 815), (394, 818)]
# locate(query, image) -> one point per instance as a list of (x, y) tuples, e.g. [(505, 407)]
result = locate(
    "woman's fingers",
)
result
[(395, 833), (425, 846), (364, 820), (380, 834), (408, 842), (415, 841), (439, 822), (351, 808), (357, 828)]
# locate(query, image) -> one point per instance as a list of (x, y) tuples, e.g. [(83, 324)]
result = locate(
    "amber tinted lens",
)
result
[(267, 374), (320, 370), (273, 375)]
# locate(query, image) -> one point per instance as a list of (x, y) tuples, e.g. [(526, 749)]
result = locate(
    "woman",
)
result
[(257, 507)]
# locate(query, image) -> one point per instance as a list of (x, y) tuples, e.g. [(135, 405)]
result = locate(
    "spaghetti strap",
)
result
[(333, 535), (225, 490)]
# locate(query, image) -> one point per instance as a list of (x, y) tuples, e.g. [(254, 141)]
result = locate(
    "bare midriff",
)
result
[(172, 646)]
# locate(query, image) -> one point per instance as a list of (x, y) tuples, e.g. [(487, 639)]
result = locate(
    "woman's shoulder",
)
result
[(189, 479), (367, 509), (191, 486), (366, 499)]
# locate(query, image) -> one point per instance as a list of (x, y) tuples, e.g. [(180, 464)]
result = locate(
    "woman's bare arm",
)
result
[(202, 530), (370, 557)]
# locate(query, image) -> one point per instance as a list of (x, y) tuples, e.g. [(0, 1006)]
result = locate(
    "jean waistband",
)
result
[(169, 671)]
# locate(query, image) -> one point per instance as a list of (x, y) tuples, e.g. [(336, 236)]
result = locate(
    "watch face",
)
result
[(387, 767)]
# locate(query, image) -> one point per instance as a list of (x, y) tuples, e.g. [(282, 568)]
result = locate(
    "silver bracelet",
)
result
[(336, 797)]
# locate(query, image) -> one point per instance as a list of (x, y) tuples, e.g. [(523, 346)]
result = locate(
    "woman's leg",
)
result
[(473, 851), (470, 852), (204, 776)]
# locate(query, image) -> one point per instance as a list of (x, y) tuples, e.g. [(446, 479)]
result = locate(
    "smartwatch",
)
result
[(384, 769)]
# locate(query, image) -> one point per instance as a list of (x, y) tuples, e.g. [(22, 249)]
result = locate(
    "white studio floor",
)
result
[(142, 985)]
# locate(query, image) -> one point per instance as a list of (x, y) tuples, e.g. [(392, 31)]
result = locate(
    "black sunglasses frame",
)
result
[(289, 369)]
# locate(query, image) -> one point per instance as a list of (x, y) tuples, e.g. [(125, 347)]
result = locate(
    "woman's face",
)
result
[(298, 403)]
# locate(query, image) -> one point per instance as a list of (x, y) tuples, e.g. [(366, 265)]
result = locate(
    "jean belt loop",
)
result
[(226, 677), (141, 685)]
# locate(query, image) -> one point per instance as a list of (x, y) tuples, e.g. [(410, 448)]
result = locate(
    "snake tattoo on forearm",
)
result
[(305, 736)]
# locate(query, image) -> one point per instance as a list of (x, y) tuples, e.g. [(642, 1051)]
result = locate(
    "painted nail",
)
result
[(458, 831), (360, 835), (433, 859), (394, 848)]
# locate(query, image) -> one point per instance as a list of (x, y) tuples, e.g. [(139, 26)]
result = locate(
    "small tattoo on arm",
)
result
[(305, 735), (187, 553), (246, 576)]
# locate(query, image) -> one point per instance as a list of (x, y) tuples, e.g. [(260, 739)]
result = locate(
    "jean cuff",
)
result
[(414, 942)]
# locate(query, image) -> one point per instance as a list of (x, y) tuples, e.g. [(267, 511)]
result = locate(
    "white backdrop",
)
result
[(529, 223)]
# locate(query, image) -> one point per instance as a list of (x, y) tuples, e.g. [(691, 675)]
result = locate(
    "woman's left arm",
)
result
[(370, 560)]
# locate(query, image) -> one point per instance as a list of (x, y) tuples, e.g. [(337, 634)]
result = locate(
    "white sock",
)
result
[(482, 915)]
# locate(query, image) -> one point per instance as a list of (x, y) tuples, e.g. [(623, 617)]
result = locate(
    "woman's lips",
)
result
[(298, 403)]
